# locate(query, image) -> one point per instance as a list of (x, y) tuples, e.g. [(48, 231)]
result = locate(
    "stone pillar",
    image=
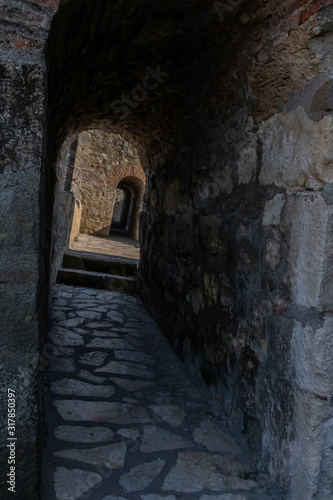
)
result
[(22, 95), (22, 122)]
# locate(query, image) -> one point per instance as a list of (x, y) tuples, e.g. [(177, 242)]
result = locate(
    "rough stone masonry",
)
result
[(236, 143)]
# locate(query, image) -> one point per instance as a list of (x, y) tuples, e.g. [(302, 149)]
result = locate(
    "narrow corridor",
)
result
[(123, 419)]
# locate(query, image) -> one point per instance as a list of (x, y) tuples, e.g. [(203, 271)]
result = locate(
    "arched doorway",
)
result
[(128, 206)]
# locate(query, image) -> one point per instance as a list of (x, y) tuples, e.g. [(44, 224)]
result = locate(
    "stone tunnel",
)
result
[(229, 106)]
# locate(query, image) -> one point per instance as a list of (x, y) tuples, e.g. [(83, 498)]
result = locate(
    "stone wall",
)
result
[(67, 207), (23, 29), (237, 254), (102, 161)]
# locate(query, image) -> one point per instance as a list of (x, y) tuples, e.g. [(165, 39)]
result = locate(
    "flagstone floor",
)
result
[(123, 418), (115, 245)]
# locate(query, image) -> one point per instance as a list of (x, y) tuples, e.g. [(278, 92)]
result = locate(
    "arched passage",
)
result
[(194, 94), (90, 166)]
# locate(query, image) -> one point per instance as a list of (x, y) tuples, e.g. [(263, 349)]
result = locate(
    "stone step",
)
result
[(78, 277), (100, 264)]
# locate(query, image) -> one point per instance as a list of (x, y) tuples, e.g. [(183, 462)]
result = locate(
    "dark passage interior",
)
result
[(121, 208)]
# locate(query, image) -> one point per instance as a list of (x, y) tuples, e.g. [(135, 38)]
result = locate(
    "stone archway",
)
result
[(130, 206), (102, 161), (91, 165)]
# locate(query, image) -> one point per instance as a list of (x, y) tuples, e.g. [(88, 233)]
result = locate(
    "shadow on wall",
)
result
[(100, 188)]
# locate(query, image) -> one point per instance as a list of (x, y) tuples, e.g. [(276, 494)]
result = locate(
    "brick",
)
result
[(25, 44), (52, 4), (313, 8), (286, 10), (291, 23)]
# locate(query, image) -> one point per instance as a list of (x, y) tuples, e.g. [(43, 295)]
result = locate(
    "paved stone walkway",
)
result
[(118, 246), (123, 419)]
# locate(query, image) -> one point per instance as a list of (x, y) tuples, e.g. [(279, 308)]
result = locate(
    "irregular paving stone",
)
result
[(58, 315), (116, 413), (115, 316), (111, 456), (65, 338), (80, 434), (98, 308), (141, 476), (71, 322), (140, 357), (88, 291), (112, 497), (83, 303), (125, 330), (92, 378), (132, 385), (156, 439), (109, 297), (194, 472), (93, 358), (214, 439), (64, 365), (51, 351), (60, 303), (109, 334), (101, 324), (228, 496), (89, 314), (81, 330), (126, 368), (72, 484), (113, 307), (129, 433), (171, 414), (158, 497), (65, 294), (72, 387), (109, 344)]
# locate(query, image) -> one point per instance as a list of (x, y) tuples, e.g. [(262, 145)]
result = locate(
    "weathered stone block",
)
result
[(295, 148), (310, 251), (312, 351), (183, 234), (247, 163), (311, 449), (209, 229), (272, 254), (172, 198), (272, 213)]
